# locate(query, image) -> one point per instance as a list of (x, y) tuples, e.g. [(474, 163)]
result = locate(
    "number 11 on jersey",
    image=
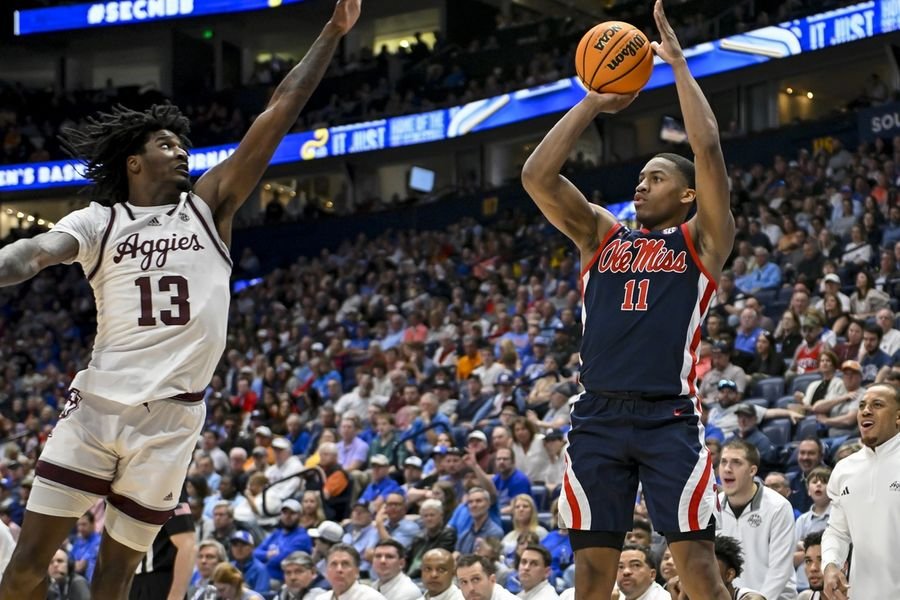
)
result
[(643, 287)]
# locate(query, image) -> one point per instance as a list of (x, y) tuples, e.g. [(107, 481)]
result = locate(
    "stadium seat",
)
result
[(766, 297), (545, 520), (771, 388), (778, 431), (801, 382), (808, 427), (539, 493), (785, 293), (764, 402), (506, 522), (784, 401)]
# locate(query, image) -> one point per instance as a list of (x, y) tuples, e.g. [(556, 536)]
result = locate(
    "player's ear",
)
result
[(688, 195), (133, 163)]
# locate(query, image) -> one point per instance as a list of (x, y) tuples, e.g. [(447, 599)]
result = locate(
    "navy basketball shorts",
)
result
[(615, 443)]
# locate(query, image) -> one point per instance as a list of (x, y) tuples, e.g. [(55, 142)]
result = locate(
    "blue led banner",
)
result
[(879, 122), (127, 12), (735, 52)]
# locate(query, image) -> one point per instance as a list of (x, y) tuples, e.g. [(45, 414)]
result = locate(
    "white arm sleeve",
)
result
[(836, 537), (781, 552), (87, 226)]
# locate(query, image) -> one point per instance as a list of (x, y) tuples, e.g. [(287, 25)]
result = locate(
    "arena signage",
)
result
[(879, 122), (127, 12), (736, 52)]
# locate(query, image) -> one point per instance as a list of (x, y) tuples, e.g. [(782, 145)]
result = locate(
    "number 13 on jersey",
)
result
[(630, 302)]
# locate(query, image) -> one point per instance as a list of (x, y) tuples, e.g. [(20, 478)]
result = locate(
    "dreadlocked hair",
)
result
[(103, 144)]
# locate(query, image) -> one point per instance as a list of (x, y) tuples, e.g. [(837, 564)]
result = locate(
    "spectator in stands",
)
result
[(488, 369), (828, 387), (477, 579), (287, 538), (300, 577), (286, 464), (806, 357), (254, 572), (533, 570), (866, 299), (479, 503), (524, 520), (509, 481), (857, 253), (748, 431), (766, 361), (386, 441), (352, 451), (761, 520), (815, 520), (722, 369), (731, 563), (831, 284), (343, 575), (850, 349), (874, 362), (428, 424), (209, 554), (812, 567), (471, 399), (557, 542), (724, 414), (810, 454), (391, 520), (65, 584), (438, 573), (890, 337), (336, 487), (836, 318), (434, 534), (787, 333), (85, 546), (667, 568), (388, 563), (326, 535), (839, 412), (381, 484), (528, 448), (361, 533), (747, 333), (766, 275), (313, 511)]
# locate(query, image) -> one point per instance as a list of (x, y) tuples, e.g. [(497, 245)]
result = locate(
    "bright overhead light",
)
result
[(790, 90), (809, 95)]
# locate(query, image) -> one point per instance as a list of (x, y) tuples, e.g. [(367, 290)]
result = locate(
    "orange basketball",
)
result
[(614, 57)]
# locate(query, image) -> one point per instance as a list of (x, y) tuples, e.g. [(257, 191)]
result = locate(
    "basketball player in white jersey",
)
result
[(156, 254)]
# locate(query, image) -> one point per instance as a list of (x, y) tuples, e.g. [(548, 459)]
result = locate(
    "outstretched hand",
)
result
[(609, 103), (346, 13), (668, 48)]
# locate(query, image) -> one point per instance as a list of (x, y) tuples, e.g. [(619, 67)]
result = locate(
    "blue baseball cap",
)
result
[(243, 537)]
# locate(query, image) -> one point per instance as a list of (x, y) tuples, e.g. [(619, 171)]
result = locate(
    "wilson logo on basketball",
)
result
[(630, 49), (607, 35), (159, 249), (641, 256)]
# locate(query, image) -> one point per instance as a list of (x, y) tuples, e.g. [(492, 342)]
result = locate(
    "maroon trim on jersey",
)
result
[(174, 208), (217, 242), (693, 250), (109, 226), (72, 479), (612, 231), (189, 397), (137, 511), (128, 210)]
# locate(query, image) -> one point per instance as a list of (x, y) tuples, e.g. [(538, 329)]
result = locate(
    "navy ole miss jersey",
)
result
[(645, 295)]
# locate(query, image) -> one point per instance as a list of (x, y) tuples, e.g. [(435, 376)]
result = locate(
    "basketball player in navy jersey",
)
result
[(155, 252), (645, 294)]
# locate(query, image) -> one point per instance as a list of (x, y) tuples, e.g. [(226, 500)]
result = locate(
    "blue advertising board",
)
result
[(127, 12), (735, 52)]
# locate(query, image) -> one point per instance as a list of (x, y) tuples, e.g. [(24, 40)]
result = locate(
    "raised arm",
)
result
[(560, 201), (226, 186), (22, 260), (713, 225)]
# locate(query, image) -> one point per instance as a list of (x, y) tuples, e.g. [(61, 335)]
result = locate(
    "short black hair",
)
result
[(684, 166), (728, 550), (545, 554), (341, 547), (400, 548), (891, 386), (874, 328), (468, 560), (645, 550), (813, 539), (642, 523), (106, 140)]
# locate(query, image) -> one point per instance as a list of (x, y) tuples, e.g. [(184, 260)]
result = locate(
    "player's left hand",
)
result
[(668, 47), (346, 13)]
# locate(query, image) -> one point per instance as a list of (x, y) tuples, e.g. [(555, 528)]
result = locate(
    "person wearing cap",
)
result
[(388, 564), (722, 368), (326, 535), (533, 366), (766, 275), (412, 473), (286, 464), (381, 484), (255, 574), (839, 413), (748, 430), (301, 579), (287, 538), (489, 412), (554, 443), (342, 572), (831, 284), (361, 532), (557, 414), (262, 438), (443, 390), (477, 444)]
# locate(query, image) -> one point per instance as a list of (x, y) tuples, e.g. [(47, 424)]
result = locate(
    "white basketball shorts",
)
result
[(135, 456)]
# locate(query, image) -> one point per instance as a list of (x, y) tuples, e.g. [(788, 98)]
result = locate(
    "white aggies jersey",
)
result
[(160, 277)]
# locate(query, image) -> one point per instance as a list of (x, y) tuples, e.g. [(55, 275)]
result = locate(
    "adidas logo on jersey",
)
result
[(845, 491), (154, 221), (168, 497), (895, 487)]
